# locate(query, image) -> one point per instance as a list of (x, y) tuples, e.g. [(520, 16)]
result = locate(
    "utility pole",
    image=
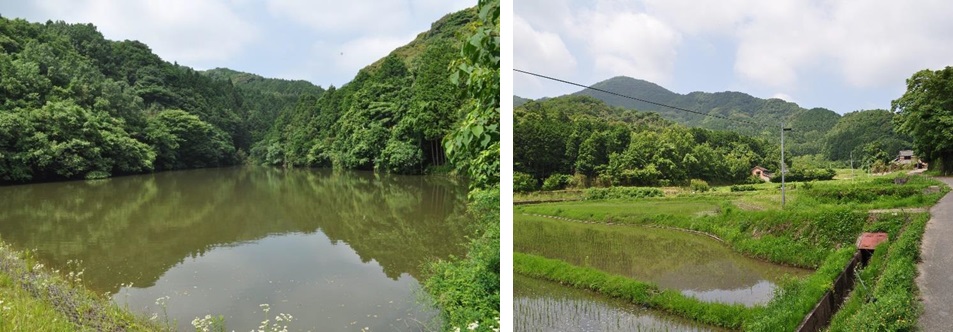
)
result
[(851, 165), (784, 168)]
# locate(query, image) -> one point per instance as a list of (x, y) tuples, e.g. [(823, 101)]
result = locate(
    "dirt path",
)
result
[(936, 267)]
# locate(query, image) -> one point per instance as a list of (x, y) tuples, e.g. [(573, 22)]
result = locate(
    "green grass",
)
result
[(544, 196), (796, 298), (717, 314), (36, 299), (889, 300), (628, 211), (20, 311)]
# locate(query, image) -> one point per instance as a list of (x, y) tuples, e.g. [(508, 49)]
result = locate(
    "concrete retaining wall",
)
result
[(822, 313)]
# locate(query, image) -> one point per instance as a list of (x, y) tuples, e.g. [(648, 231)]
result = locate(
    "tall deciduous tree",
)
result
[(475, 145), (925, 112)]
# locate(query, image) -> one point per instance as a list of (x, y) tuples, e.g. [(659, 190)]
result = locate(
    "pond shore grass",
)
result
[(37, 299), (817, 230)]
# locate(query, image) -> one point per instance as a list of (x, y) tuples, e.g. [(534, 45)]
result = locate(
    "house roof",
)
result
[(906, 153)]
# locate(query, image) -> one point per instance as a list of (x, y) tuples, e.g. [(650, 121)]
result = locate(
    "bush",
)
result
[(621, 192), (523, 182), (699, 185), (743, 188), (557, 182), (807, 175)]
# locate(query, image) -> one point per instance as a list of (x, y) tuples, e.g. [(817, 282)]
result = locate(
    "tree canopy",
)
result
[(615, 146), (925, 112)]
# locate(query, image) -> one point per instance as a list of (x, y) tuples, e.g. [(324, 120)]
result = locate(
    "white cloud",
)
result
[(886, 42), (783, 96), (177, 30), (631, 44), (540, 51), (363, 16), (700, 17), (343, 16)]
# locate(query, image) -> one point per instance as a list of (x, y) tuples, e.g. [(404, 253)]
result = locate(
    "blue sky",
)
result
[(322, 41), (842, 55)]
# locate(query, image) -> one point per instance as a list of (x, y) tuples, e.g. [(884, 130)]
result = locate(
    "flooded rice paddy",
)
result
[(694, 264)]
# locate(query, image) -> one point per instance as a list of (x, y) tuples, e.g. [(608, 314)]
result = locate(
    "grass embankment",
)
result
[(718, 314), (886, 297), (817, 229), (467, 290), (32, 298)]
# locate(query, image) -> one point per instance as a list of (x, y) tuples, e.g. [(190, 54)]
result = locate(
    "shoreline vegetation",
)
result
[(34, 298), (816, 230)]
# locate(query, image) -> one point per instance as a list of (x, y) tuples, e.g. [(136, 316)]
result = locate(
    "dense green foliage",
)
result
[(474, 145), (925, 112), (867, 136), (264, 98), (391, 117), (614, 146), (74, 105), (467, 290)]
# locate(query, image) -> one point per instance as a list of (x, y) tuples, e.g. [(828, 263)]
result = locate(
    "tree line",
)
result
[(604, 145)]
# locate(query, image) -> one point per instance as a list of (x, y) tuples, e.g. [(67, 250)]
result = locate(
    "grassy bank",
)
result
[(37, 299), (817, 229), (647, 294), (886, 297)]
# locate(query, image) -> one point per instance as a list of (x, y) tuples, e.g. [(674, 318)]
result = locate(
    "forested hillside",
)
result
[(75, 105), (392, 117), (767, 114), (581, 135), (818, 133), (265, 98)]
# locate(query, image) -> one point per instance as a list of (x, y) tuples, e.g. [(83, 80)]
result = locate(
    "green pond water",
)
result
[(697, 265), (545, 306), (337, 250)]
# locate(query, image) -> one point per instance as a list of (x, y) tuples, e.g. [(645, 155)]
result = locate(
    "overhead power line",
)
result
[(640, 99)]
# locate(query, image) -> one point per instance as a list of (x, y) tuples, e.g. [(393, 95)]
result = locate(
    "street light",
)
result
[(784, 168)]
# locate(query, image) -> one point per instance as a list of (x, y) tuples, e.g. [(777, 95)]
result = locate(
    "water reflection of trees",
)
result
[(133, 229)]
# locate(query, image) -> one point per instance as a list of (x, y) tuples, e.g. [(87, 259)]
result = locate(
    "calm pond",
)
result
[(337, 250), (545, 306), (696, 265)]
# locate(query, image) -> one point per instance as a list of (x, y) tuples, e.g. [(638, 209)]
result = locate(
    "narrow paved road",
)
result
[(936, 268)]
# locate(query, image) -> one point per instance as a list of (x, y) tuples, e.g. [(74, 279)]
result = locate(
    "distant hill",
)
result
[(264, 98), (519, 101), (809, 125), (267, 85)]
